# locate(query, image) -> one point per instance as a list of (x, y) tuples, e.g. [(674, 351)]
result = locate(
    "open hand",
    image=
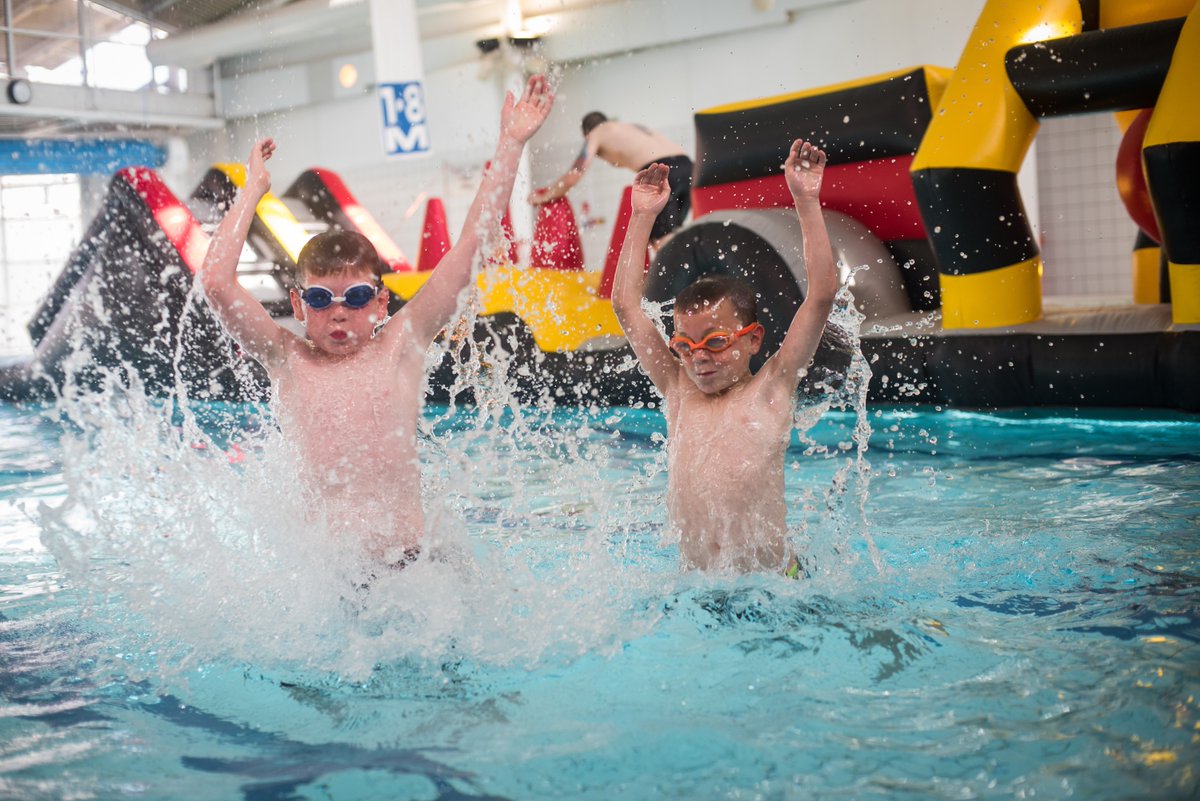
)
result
[(257, 177), (650, 189), (521, 119), (804, 169)]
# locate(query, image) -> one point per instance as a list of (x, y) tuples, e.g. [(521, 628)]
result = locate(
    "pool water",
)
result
[(999, 605)]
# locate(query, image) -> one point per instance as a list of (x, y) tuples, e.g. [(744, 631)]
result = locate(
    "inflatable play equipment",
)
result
[(947, 271), (122, 304), (324, 195)]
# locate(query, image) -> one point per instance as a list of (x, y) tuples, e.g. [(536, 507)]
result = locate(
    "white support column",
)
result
[(399, 78)]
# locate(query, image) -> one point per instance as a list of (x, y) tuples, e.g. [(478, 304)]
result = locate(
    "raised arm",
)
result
[(650, 194), (568, 179), (241, 315), (433, 306), (804, 169)]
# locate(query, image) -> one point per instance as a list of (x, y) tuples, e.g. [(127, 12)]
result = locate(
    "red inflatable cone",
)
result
[(615, 242), (556, 242), (435, 235)]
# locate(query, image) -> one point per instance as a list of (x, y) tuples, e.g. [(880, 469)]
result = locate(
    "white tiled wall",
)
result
[(1087, 235)]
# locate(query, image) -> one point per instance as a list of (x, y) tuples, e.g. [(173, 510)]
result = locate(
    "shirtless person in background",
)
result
[(631, 147)]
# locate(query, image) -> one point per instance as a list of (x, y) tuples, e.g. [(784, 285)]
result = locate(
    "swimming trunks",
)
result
[(679, 179), (410, 556), (407, 558), (796, 569)]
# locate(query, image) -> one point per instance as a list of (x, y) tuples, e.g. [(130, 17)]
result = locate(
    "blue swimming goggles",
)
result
[(357, 295)]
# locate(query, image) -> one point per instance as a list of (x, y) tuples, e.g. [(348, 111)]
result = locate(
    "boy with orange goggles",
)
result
[(722, 419)]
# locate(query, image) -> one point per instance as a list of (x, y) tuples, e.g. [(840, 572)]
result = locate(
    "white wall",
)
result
[(1087, 235)]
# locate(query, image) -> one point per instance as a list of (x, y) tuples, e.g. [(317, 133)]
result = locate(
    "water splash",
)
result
[(186, 529), (841, 516)]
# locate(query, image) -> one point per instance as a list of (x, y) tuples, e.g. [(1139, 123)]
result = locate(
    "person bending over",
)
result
[(727, 429), (631, 147)]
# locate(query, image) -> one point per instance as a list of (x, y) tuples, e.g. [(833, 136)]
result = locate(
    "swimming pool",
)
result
[(1000, 605)]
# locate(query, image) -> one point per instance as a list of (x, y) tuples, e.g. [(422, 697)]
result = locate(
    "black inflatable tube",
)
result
[(1149, 370), (1153, 370), (130, 310), (1173, 178), (1107, 70), (917, 264), (871, 121), (116, 201), (975, 219)]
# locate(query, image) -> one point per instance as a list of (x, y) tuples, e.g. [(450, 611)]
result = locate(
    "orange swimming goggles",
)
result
[(715, 342)]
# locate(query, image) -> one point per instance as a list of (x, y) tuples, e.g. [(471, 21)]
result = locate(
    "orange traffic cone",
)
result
[(556, 242), (435, 235), (615, 242)]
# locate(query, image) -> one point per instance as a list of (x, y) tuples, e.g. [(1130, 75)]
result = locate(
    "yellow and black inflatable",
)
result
[(955, 313)]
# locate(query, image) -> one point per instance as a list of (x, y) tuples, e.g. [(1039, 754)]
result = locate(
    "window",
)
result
[(76, 43), (40, 226)]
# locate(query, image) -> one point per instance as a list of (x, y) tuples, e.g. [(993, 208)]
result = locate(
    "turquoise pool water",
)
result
[(1000, 606)]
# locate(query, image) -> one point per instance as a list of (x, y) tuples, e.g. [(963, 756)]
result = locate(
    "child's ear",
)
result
[(756, 338), (297, 304)]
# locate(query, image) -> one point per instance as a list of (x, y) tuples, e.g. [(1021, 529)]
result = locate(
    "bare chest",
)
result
[(732, 435), (356, 411)]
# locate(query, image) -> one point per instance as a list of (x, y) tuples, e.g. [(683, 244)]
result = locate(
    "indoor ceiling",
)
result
[(180, 14), (63, 17), (186, 14)]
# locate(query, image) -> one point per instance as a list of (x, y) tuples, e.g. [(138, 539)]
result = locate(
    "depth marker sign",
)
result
[(399, 78), (405, 130)]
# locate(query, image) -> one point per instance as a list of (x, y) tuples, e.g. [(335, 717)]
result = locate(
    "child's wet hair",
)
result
[(709, 289), (336, 252)]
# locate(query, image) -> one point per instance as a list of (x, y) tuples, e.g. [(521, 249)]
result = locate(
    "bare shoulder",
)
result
[(614, 132), (771, 383), (397, 329), (396, 338)]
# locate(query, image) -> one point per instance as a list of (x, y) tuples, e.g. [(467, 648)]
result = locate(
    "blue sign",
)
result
[(405, 128)]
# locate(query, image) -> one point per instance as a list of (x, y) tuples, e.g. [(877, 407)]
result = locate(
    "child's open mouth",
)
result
[(338, 335)]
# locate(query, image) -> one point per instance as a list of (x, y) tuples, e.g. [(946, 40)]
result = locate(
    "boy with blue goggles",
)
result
[(354, 368)]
